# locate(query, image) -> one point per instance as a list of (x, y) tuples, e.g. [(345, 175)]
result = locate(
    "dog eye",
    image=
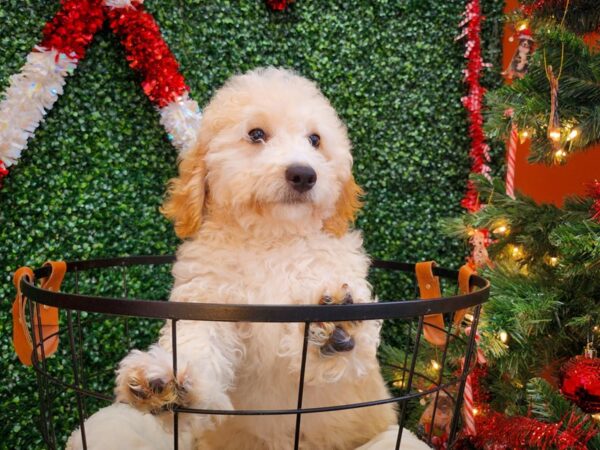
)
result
[(314, 140), (257, 135)]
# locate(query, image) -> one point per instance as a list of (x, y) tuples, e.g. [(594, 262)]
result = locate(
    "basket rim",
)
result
[(219, 312)]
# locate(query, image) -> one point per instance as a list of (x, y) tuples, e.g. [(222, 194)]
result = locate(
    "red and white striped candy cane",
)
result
[(468, 407), (511, 160)]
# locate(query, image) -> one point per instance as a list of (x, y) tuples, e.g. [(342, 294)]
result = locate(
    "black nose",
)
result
[(301, 178)]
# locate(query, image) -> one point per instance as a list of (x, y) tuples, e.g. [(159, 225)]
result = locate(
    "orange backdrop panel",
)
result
[(550, 184)]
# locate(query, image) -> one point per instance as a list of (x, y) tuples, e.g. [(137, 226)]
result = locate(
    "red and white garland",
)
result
[(34, 90), (479, 151)]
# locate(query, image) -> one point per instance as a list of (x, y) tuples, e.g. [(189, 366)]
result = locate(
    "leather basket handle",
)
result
[(434, 329), (47, 321)]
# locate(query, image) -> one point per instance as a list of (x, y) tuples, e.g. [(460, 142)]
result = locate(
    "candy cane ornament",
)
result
[(511, 158), (468, 406)]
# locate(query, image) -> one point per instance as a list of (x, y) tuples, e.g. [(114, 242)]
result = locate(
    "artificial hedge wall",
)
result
[(90, 183)]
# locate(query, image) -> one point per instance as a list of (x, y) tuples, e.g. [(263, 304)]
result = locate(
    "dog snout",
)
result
[(301, 178)]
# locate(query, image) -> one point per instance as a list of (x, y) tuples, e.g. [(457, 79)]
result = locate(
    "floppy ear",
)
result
[(185, 198), (347, 206)]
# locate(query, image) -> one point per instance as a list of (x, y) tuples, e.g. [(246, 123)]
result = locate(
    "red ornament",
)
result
[(580, 382), (594, 192)]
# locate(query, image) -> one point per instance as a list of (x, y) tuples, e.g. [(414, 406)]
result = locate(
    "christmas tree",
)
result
[(537, 380), (540, 328), (540, 387)]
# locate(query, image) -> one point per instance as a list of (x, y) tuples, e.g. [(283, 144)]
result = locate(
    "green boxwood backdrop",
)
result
[(90, 182)]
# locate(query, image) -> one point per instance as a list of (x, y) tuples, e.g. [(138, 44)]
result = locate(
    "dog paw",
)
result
[(146, 381), (334, 337)]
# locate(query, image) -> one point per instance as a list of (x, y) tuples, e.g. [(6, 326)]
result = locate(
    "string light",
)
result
[(572, 135), (398, 383), (503, 336), (554, 135), (501, 228), (560, 154), (524, 135), (596, 417), (516, 251), (475, 411), (435, 365), (522, 26), (552, 261)]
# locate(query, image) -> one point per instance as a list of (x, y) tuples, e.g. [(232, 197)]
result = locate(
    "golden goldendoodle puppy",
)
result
[(264, 203)]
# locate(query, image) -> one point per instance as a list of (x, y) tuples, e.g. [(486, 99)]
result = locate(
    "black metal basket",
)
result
[(71, 372)]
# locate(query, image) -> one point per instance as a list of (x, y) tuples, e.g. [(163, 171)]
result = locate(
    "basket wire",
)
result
[(38, 298)]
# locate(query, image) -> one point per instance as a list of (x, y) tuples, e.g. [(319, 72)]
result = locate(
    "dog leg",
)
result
[(146, 381), (334, 337), (208, 354)]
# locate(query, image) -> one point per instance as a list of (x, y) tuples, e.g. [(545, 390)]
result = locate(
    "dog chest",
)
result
[(297, 271)]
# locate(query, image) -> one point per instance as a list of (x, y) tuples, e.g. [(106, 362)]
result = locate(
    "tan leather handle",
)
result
[(47, 320), (429, 287)]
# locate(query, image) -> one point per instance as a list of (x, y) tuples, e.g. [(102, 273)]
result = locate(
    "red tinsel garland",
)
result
[(148, 54), (278, 5), (521, 433), (72, 29), (479, 151), (501, 432), (594, 192), (3, 172)]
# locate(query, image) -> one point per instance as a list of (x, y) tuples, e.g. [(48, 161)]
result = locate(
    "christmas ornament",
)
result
[(553, 131), (519, 63), (580, 381), (479, 241), (34, 90), (594, 192), (479, 151), (511, 156), (439, 426)]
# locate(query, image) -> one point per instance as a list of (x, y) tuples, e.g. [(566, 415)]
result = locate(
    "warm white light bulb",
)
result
[(572, 135), (435, 364), (503, 336), (555, 135)]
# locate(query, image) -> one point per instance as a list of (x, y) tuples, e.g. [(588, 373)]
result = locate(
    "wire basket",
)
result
[(78, 379)]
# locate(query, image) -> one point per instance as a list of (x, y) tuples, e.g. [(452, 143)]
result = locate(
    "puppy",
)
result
[(264, 204)]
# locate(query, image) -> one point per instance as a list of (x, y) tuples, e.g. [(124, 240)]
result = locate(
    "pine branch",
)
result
[(529, 98), (547, 404), (583, 16)]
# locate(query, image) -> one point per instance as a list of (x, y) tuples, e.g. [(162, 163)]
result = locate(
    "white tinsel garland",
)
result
[(122, 3), (181, 120), (30, 94)]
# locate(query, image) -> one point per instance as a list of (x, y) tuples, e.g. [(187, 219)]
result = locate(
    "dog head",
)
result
[(271, 150)]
